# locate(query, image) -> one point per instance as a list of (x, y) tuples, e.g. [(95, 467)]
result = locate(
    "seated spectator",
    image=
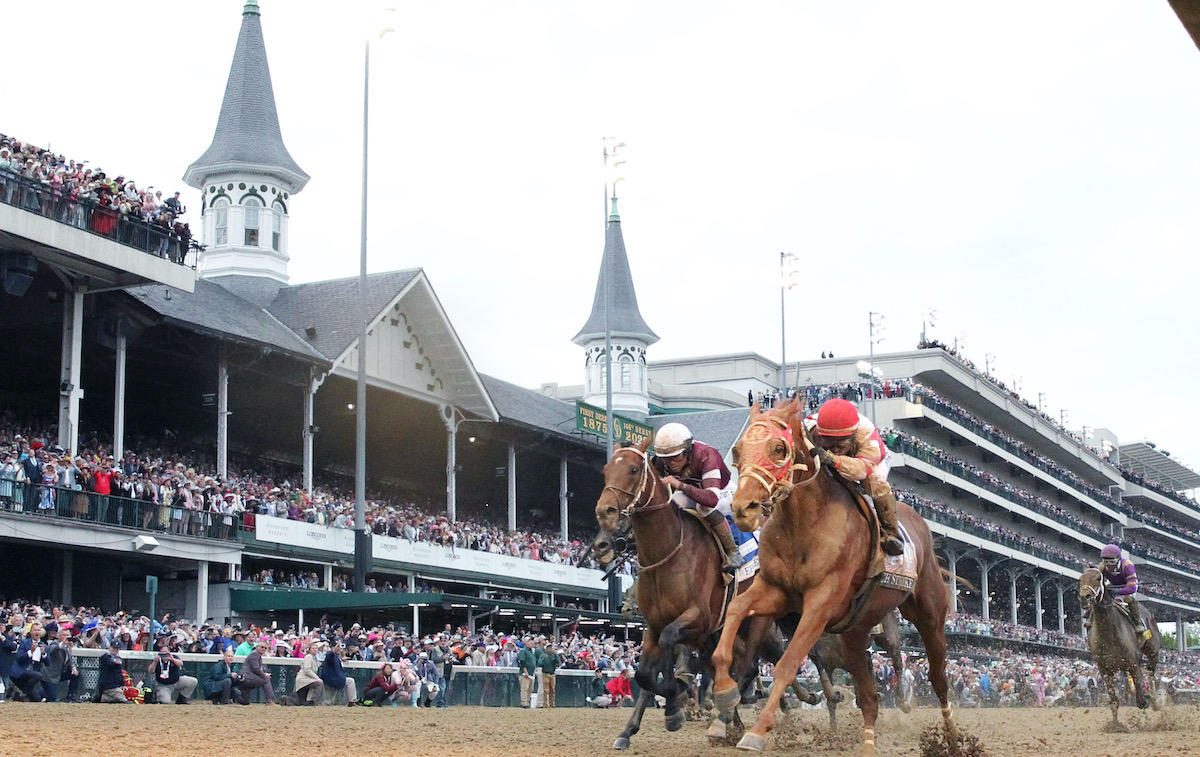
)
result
[(221, 678), (111, 685), (170, 685), (28, 668), (617, 691), (255, 676), (381, 689), (338, 685), (309, 687), (408, 686)]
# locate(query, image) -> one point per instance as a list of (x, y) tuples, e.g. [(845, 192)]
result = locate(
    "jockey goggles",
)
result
[(761, 467)]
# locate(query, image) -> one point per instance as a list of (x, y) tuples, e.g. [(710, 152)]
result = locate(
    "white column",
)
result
[(451, 471), (300, 620), (983, 588), (512, 486), (68, 575), (562, 498), (309, 419), (328, 578), (1012, 595), (70, 391), (1062, 613), (201, 591), (1180, 634), (119, 398), (1037, 600), (222, 414)]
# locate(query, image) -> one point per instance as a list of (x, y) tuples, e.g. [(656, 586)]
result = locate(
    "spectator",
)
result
[(309, 687), (526, 665), (61, 667), (549, 664), (333, 675), (381, 688), (428, 675), (221, 678)]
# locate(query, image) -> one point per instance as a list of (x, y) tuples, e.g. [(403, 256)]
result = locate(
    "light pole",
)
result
[(1062, 417), (1041, 399), (362, 541), (960, 343), (787, 268), (875, 329), (988, 359), (611, 145), (928, 315)]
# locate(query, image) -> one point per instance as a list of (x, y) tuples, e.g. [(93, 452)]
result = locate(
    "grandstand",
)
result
[(250, 379)]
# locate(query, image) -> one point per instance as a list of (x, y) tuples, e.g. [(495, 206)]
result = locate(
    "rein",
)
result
[(775, 477)]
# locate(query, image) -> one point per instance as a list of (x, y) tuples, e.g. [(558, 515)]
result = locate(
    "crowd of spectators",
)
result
[(977, 625), (899, 441), (989, 528), (172, 490), (69, 191)]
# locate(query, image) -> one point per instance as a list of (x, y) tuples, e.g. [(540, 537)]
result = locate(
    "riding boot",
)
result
[(732, 558), (1135, 614), (885, 506)]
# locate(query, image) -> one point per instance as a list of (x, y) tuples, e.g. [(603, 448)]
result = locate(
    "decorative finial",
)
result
[(613, 215), (251, 8)]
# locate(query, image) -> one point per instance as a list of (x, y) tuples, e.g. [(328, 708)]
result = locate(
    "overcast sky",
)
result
[(1032, 173)]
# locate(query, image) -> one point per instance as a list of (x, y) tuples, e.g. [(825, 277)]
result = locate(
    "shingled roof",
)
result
[(330, 307), (625, 319), (211, 309), (247, 135)]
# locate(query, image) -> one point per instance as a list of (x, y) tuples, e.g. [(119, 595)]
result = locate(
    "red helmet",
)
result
[(837, 418)]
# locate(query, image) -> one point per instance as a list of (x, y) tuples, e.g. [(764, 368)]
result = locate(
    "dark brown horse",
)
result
[(1114, 644), (827, 657), (814, 555), (680, 590)]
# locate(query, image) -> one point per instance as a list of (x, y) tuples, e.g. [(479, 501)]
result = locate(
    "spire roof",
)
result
[(625, 319), (247, 135)]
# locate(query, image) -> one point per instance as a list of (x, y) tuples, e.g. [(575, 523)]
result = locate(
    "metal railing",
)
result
[(40, 500), (57, 204), (1011, 542)]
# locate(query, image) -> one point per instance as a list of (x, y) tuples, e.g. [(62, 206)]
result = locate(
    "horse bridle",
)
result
[(1096, 593), (635, 499), (775, 477)]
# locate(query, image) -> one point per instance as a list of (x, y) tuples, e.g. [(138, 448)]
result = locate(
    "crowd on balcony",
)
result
[(173, 491), (987, 528), (69, 191), (1149, 483), (978, 625), (899, 441)]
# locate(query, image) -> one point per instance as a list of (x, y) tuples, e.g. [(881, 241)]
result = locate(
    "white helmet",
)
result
[(671, 440)]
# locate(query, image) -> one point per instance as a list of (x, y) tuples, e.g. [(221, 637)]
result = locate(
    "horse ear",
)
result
[(644, 444), (755, 409)]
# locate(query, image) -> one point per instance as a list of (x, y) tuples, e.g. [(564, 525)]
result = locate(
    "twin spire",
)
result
[(624, 319)]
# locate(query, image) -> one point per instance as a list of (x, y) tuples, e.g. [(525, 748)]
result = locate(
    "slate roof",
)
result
[(716, 428), (331, 307), (248, 127), (530, 407), (625, 319), (212, 309)]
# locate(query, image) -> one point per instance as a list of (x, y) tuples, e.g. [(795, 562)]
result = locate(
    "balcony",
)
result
[(92, 239)]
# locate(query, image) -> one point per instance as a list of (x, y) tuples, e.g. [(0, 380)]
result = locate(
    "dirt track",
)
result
[(202, 729)]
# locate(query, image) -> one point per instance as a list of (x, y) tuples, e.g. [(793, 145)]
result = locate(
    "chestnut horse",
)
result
[(1114, 644), (680, 590), (814, 554)]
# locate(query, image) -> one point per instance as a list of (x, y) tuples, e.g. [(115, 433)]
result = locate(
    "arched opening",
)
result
[(252, 205)]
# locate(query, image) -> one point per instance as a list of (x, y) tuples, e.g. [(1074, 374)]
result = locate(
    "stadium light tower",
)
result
[(362, 539), (988, 360), (928, 316), (875, 329), (788, 278)]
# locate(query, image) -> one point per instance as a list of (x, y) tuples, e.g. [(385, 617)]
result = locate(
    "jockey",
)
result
[(1120, 579), (851, 445), (699, 476)]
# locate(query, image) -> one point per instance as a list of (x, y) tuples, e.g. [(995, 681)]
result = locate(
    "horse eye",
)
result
[(635, 469)]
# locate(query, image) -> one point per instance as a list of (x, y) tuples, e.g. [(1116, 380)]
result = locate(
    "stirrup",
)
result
[(1144, 636), (732, 562)]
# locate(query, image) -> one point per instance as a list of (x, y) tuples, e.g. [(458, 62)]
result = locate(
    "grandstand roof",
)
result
[(1189, 13), (625, 319), (330, 307), (719, 429), (247, 134), (529, 407), (1146, 459), (212, 309)]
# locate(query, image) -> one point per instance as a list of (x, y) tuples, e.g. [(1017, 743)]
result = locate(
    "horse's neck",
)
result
[(657, 532), (808, 503)]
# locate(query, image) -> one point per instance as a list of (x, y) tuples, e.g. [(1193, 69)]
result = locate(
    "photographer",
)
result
[(61, 667), (170, 685), (27, 671), (111, 685)]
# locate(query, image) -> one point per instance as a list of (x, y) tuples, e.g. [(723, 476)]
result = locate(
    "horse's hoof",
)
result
[(621, 743), (716, 729), (752, 742), (676, 720), (905, 707), (727, 701)]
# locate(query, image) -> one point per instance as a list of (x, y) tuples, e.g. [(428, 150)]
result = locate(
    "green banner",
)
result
[(593, 420)]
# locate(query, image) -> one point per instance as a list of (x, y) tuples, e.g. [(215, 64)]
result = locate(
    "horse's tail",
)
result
[(951, 600)]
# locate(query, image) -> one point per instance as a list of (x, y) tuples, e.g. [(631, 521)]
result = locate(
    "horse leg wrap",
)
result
[(752, 742), (727, 701)]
